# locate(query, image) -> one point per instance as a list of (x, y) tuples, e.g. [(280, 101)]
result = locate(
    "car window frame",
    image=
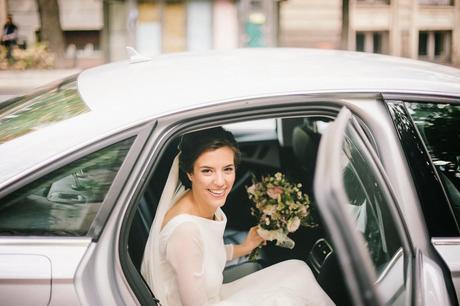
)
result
[(139, 133), (172, 125), (327, 197)]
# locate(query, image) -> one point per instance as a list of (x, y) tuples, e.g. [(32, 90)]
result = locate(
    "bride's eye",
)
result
[(206, 171), (229, 169)]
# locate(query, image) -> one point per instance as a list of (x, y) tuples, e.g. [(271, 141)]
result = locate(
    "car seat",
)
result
[(305, 142)]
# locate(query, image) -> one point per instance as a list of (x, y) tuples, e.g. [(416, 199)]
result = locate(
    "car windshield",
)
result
[(24, 115)]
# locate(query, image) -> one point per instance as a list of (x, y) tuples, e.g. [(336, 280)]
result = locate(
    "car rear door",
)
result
[(362, 220), (49, 226)]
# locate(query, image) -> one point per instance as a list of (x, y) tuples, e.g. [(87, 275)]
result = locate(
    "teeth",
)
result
[(217, 192)]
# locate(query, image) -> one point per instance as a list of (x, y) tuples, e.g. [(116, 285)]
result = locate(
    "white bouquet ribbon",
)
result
[(282, 240)]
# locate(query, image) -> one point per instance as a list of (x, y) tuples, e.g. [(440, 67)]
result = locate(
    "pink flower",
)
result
[(274, 192)]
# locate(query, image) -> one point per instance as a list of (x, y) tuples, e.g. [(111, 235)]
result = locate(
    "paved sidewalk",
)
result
[(14, 82)]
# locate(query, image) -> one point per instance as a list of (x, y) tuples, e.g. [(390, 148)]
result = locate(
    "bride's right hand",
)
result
[(253, 239)]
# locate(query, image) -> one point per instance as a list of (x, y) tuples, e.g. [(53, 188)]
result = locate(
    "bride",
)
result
[(185, 254)]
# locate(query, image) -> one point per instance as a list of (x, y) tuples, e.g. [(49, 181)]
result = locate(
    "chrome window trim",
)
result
[(117, 184), (423, 98), (390, 265), (445, 241)]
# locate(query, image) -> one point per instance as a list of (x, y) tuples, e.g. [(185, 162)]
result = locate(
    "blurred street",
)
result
[(14, 83)]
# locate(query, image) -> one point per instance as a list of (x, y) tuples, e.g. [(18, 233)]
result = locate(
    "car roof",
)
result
[(126, 93), (172, 82)]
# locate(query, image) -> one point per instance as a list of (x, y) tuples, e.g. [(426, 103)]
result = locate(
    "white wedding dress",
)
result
[(183, 264)]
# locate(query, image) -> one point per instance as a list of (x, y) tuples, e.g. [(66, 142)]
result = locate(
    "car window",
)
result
[(264, 129), (439, 127), (65, 201), (39, 110), (368, 205)]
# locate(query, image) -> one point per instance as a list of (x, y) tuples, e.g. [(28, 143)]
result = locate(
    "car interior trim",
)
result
[(389, 266)]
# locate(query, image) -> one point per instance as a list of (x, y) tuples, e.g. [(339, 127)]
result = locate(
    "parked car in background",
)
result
[(374, 140)]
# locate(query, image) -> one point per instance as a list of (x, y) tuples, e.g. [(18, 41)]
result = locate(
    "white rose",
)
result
[(293, 224), (252, 189)]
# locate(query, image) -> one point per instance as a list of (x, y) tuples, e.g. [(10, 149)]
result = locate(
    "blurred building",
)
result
[(99, 30), (162, 26), (310, 23), (81, 22), (418, 29)]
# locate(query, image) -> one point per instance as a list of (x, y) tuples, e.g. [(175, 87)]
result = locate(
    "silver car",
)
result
[(374, 140)]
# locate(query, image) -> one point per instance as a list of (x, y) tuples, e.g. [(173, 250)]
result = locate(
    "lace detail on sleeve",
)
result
[(229, 251), (184, 251)]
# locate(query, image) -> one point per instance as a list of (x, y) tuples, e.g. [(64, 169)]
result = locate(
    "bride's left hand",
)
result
[(253, 239)]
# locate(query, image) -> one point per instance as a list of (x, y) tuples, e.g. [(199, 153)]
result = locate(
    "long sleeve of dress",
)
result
[(184, 251), (229, 251)]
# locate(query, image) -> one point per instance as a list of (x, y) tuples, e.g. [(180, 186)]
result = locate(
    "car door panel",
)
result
[(38, 265), (348, 244), (358, 207)]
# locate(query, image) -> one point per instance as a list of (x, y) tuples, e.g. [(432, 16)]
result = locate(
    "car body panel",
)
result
[(433, 289), (63, 255), (21, 273)]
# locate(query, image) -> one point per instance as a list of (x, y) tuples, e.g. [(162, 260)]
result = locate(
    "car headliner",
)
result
[(126, 93)]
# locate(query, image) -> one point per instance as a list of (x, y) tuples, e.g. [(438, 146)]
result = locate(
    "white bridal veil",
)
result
[(151, 261)]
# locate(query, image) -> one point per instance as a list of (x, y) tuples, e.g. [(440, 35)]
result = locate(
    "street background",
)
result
[(57, 38)]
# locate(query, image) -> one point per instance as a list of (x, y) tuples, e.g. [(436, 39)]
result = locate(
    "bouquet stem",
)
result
[(255, 254)]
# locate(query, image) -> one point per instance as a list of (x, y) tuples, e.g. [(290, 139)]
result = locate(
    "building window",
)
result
[(435, 2), (83, 39), (435, 45), (373, 42), (377, 42), (360, 38)]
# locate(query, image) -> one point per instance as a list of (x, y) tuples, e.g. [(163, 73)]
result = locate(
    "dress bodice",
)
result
[(192, 258), (201, 240)]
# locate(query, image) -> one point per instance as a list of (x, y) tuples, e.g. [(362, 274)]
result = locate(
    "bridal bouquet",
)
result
[(280, 207)]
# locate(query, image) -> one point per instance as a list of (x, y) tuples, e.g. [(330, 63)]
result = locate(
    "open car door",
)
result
[(358, 209)]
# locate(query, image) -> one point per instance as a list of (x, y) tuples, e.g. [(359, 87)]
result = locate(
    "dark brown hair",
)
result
[(194, 144)]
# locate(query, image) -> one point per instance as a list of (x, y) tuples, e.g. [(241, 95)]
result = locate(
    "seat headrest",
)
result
[(305, 145)]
